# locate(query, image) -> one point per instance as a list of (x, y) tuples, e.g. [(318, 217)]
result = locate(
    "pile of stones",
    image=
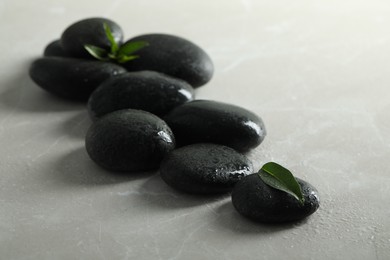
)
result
[(145, 117)]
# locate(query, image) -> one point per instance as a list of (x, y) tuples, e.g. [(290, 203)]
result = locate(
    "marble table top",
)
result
[(317, 72)]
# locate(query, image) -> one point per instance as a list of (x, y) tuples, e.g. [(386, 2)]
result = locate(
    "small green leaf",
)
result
[(110, 37), (131, 47), (118, 54), (282, 179), (97, 52), (125, 58)]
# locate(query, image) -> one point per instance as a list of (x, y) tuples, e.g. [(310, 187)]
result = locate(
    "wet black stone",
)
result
[(204, 121), (129, 141), (146, 90), (204, 168), (55, 49), (89, 31), (174, 56), (256, 200), (70, 78)]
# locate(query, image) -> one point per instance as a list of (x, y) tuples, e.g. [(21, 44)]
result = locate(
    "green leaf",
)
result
[(131, 47), (125, 58), (97, 52), (110, 37), (280, 178)]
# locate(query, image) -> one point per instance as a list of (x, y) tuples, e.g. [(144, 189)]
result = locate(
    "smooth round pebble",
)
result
[(146, 90), (129, 141), (204, 168), (89, 31), (55, 49), (256, 200), (205, 121), (174, 56), (73, 79)]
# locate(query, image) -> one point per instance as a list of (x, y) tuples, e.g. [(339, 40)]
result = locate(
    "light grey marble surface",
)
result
[(317, 72)]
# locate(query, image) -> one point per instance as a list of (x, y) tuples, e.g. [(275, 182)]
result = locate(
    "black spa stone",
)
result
[(145, 90), (55, 49), (256, 200), (69, 78), (174, 56), (204, 121), (89, 31), (129, 141), (204, 168)]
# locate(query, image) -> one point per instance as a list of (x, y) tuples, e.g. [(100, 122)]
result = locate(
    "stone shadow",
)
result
[(157, 193), (76, 168), (231, 220), (77, 125)]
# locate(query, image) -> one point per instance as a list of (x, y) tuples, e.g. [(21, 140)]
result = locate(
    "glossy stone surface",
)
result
[(69, 78), (89, 31), (129, 141), (256, 200), (146, 90), (55, 49), (175, 56), (203, 121), (204, 168)]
